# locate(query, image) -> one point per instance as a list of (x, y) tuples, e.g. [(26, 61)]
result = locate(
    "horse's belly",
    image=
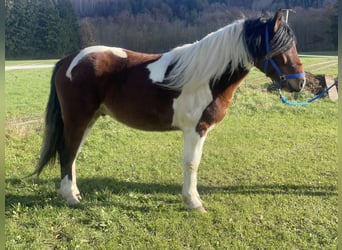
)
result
[(143, 117)]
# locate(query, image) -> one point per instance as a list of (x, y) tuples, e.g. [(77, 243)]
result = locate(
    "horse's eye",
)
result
[(295, 65)]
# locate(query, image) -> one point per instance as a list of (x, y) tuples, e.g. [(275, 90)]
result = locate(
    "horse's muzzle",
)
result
[(296, 84)]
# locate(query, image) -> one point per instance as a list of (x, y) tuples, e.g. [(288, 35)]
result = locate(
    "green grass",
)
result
[(26, 93), (321, 53), (29, 62), (268, 178)]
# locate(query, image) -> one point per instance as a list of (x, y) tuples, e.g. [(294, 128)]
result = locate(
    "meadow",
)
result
[(268, 176)]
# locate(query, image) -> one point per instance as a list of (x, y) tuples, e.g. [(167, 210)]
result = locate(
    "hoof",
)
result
[(194, 205), (200, 210), (69, 192), (74, 201)]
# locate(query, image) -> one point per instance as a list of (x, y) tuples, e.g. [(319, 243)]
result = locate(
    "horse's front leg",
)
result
[(193, 145)]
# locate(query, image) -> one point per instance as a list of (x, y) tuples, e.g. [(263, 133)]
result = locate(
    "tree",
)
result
[(46, 30), (19, 23), (70, 39), (40, 29), (87, 33), (155, 25)]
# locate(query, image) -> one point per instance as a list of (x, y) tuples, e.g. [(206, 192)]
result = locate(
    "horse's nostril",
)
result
[(301, 84)]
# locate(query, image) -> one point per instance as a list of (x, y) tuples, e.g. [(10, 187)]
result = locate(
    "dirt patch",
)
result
[(24, 127), (314, 83)]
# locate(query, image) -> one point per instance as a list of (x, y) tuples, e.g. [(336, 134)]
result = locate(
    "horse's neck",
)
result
[(228, 80)]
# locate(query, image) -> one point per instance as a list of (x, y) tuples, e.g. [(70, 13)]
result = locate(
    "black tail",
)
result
[(53, 134)]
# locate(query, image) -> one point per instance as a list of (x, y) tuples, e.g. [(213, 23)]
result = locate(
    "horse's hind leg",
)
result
[(75, 134)]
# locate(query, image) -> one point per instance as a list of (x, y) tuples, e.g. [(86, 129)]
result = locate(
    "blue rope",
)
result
[(286, 101)]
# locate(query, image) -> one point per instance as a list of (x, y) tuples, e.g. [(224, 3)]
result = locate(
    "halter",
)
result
[(268, 60)]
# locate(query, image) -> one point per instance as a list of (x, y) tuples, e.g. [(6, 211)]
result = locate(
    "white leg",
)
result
[(69, 190), (193, 145)]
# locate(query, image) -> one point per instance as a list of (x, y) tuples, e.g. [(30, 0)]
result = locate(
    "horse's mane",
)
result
[(283, 39), (234, 46), (254, 33), (206, 60)]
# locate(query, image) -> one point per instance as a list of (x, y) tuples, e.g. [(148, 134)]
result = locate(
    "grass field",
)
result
[(268, 177)]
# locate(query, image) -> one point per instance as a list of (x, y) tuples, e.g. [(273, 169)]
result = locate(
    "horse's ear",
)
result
[(277, 20)]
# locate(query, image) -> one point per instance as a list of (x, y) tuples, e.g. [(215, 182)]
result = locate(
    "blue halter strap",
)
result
[(276, 68)]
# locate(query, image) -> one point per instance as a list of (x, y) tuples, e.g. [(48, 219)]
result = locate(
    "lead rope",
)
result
[(286, 101)]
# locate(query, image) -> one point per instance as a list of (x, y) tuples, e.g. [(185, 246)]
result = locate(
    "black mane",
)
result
[(279, 42)]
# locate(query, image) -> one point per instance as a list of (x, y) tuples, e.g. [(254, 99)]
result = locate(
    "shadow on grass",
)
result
[(42, 196)]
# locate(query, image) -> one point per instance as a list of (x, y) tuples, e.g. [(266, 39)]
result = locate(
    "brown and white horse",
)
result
[(188, 88)]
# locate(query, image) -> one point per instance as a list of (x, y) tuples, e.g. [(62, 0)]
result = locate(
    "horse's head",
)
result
[(275, 52)]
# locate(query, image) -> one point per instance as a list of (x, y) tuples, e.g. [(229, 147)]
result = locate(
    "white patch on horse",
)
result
[(158, 68), (69, 190), (93, 49), (188, 107)]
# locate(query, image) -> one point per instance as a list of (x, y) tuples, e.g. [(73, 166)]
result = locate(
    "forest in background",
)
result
[(38, 29), (153, 25)]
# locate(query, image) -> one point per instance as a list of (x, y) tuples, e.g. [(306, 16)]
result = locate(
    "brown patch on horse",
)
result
[(133, 100), (136, 58), (106, 62), (217, 109)]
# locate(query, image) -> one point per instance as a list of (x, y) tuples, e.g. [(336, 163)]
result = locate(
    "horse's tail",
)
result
[(53, 134)]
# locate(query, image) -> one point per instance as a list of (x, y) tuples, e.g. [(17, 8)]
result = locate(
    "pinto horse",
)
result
[(188, 88)]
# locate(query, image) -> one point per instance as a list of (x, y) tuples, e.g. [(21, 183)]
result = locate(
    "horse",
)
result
[(188, 88)]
